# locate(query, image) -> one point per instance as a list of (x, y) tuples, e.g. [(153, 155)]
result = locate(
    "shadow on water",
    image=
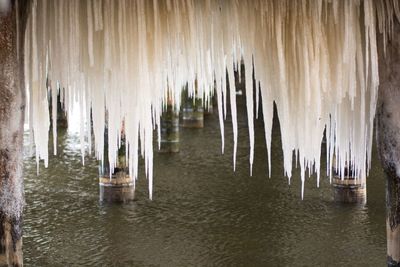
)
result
[(202, 212)]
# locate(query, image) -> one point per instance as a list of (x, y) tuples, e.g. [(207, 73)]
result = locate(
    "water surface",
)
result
[(202, 214)]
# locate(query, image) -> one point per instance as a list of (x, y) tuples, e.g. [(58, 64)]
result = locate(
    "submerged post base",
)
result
[(209, 110), (11, 242), (349, 190), (393, 245), (193, 117), (169, 131), (118, 189), (192, 112), (62, 121)]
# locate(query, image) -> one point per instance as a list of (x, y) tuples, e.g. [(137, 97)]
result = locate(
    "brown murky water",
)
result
[(202, 214)]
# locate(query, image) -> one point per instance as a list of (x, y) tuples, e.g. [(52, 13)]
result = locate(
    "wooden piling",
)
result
[(388, 138), (349, 190), (118, 189), (12, 108), (192, 111), (169, 130)]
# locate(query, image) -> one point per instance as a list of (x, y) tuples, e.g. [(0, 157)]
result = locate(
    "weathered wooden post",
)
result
[(169, 130), (12, 107), (209, 109), (118, 189), (349, 190), (388, 139), (62, 119), (192, 111), (118, 186)]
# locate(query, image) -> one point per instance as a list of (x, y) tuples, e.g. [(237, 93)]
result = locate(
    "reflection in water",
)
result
[(202, 213)]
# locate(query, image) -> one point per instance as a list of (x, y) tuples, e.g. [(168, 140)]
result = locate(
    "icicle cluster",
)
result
[(316, 59)]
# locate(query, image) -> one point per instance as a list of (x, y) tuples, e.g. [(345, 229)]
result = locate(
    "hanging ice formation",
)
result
[(316, 59)]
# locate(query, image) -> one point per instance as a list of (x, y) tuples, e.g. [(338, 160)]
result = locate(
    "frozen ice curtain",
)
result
[(316, 59)]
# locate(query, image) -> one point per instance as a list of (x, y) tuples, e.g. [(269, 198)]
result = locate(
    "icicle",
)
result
[(232, 95), (220, 116), (90, 31), (54, 95), (250, 109)]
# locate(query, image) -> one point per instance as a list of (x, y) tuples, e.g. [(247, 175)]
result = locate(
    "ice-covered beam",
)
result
[(12, 105)]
